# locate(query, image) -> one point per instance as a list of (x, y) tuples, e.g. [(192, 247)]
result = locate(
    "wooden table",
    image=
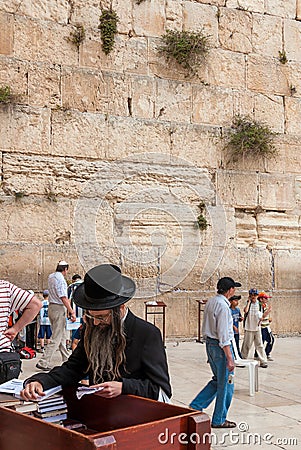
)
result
[(125, 422), (156, 310)]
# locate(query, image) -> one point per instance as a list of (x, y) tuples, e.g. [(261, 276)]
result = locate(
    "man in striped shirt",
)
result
[(12, 299)]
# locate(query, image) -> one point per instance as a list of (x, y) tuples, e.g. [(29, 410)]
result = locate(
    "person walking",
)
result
[(218, 332), (252, 335), (44, 322), (59, 305), (266, 332)]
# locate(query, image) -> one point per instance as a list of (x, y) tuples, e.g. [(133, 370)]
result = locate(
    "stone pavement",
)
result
[(269, 420)]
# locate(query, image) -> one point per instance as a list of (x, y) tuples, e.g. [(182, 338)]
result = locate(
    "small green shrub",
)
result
[(282, 57), (5, 94), (201, 222), (108, 29), (77, 36), (187, 48), (250, 138)]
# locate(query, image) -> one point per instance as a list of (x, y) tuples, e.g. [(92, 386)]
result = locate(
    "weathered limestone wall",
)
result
[(106, 158)]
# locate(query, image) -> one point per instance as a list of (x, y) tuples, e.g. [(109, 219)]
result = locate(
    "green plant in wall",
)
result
[(5, 94), (201, 222), (187, 48), (108, 29), (249, 138), (77, 36), (282, 57)]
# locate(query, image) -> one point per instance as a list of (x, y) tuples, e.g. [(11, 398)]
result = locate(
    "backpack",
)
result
[(27, 353)]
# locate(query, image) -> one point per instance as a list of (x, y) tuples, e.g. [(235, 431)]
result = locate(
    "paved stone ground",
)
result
[(269, 420)]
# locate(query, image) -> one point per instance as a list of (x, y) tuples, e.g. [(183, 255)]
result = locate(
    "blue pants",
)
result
[(218, 388)]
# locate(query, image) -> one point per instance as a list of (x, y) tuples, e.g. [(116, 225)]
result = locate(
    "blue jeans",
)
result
[(218, 388)]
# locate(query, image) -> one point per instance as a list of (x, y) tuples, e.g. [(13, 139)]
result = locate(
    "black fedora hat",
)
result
[(104, 287)]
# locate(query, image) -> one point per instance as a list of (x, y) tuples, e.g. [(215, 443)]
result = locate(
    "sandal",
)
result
[(226, 424)]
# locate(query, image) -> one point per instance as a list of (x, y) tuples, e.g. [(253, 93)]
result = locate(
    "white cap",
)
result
[(63, 263)]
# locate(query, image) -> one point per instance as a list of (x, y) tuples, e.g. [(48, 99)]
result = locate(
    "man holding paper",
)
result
[(120, 352)]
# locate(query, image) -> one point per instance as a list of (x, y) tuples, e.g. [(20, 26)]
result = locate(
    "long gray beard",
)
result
[(104, 353)]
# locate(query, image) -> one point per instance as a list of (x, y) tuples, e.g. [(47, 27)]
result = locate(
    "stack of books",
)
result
[(52, 409)]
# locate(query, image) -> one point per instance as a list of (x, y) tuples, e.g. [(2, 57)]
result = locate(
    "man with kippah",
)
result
[(119, 352), (59, 306), (218, 333)]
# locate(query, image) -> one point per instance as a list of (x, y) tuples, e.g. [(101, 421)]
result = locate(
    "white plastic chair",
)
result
[(251, 364)]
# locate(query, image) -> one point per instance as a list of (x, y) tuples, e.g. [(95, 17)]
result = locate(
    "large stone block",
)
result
[(198, 17), (149, 18), (127, 136), (279, 230), (79, 134), (44, 85), (174, 15), (266, 75), (281, 8), (212, 105), (21, 265), (44, 41), (14, 74), (235, 30), (198, 144), (129, 54), (298, 13), (238, 189), (287, 160), (276, 192), (224, 68), (269, 109), (173, 101), (267, 35), (287, 269), (56, 11), (249, 5), (6, 33), (293, 115), (141, 97), (25, 129), (246, 229), (292, 39)]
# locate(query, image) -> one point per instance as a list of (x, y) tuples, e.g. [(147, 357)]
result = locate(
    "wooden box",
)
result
[(125, 422)]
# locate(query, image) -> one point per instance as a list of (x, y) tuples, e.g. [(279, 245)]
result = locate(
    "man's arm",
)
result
[(67, 303), (29, 313), (228, 354)]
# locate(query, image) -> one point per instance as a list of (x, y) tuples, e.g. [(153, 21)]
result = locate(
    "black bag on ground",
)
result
[(10, 366)]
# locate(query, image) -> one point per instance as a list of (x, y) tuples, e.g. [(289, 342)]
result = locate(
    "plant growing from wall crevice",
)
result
[(5, 95), (108, 28), (201, 222), (249, 137), (188, 48), (282, 57), (77, 36)]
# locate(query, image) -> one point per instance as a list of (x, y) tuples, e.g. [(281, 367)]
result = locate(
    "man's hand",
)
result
[(10, 333), (110, 389), (32, 391), (230, 364), (73, 317)]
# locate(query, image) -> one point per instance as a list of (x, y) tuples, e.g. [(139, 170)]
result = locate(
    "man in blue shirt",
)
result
[(218, 332)]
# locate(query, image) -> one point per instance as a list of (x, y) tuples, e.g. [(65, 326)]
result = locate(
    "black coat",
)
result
[(145, 369)]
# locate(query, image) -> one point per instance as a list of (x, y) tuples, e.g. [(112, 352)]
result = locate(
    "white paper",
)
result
[(13, 386), (84, 390)]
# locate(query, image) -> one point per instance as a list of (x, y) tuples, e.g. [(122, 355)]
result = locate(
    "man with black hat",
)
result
[(118, 351), (218, 332)]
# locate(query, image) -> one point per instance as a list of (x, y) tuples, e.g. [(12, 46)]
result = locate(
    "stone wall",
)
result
[(106, 158)]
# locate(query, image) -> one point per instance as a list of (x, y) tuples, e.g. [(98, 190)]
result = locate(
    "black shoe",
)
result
[(46, 369), (226, 424)]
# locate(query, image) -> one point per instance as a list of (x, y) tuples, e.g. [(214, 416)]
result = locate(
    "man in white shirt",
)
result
[(218, 332), (59, 305), (252, 324)]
